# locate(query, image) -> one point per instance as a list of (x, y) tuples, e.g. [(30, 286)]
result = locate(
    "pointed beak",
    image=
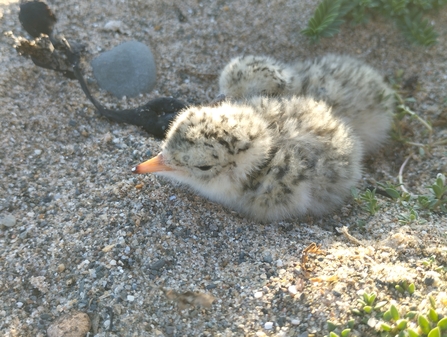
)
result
[(155, 164)]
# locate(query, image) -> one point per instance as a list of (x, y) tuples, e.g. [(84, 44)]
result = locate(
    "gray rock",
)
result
[(7, 220), (126, 70), (158, 264), (267, 256)]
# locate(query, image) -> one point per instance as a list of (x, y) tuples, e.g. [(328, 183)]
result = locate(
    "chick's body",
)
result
[(267, 158), (355, 91)]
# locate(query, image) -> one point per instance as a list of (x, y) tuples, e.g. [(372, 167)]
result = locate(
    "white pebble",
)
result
[(295, 321), (268, 325), (173, 197), (19, 304), (130, 298), (37, 152), (258, 294), (372, 322), (112, 262), (293, 290), (279, 263)]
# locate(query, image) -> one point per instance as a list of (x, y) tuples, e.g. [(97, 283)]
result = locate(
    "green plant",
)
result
[(438, 196), (411, 217), (404, 286), (367, 199), (406, 14), (393, 322)]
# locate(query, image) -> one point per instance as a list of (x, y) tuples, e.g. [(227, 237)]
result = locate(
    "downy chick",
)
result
[(267, 158)]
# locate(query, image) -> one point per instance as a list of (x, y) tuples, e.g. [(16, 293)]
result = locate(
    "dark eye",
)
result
[(204, 168)]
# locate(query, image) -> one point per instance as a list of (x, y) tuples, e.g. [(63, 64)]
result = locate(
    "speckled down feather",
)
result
[(355, 91), (267, 158)]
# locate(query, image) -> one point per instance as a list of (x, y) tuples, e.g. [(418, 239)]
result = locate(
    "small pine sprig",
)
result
[(407, 14), (417, 29), (325, 21)]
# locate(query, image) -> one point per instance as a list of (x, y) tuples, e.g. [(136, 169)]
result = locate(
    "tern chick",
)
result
[(355, 91), (267, 158)]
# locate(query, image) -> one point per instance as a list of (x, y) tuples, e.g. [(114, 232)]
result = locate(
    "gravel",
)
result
[(145, 257)]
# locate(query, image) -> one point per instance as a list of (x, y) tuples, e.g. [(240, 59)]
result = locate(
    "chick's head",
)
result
[(212, 148)]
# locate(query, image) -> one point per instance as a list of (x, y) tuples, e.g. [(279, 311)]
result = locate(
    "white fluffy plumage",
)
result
[(267, 158), (355, 91), (288, 140)]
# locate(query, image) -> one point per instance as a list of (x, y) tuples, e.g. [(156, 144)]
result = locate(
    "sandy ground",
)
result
[(92, 237)]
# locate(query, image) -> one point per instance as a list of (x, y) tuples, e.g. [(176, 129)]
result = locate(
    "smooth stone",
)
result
[(158, 264), (7, 220), (126, 70)]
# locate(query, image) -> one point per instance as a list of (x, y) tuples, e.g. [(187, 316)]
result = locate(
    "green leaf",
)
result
[(393, 193), (394, 312), (411, 289), (351, 323), (367, 309), (356, 312), (411, 314), (331, 326), (399, 288), (424, 324), (333, 334), (433, 315), (401, 324), (412, 333), (432, 302), (442, 324), (387, 316), (345, 332), (436, 332), (385, 327)]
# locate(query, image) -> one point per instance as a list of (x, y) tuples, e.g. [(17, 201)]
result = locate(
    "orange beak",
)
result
[(155, 164)]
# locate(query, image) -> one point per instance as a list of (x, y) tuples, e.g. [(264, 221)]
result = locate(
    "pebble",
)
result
[(61, 268), (126, 70), (258, 294), (75, 324), (157, 265), (293, 290), (19, 304), (279, 263), (267, 256), (116, 26), (295, 321), (268, 325), (7, 220), (130, 298), (112, 262)]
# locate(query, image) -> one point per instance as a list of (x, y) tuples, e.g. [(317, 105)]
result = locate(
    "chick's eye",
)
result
[(204, 168)]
